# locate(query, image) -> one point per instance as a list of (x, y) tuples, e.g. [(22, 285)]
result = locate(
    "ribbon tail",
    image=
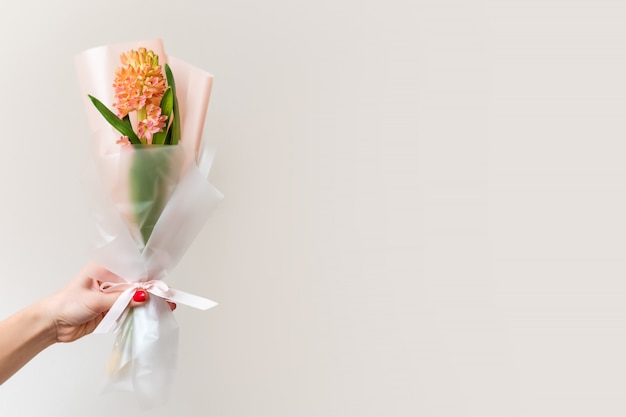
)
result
[(116, 311), (191, 300)]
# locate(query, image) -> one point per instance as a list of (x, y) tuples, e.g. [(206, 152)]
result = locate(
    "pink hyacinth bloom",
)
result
[(123, 140), (138, 82), (153, 123)]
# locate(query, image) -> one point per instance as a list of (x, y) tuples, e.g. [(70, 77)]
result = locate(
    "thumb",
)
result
[(100, 301)]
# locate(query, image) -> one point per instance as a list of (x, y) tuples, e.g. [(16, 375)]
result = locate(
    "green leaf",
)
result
[(175, 135), (122, 126), (168, 137), (167, 102), (126, 120), (158, 138)]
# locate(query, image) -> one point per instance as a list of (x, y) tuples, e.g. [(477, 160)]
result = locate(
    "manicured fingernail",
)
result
[(140, 296)]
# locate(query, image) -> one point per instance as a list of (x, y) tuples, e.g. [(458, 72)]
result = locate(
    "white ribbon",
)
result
[(118, 311)]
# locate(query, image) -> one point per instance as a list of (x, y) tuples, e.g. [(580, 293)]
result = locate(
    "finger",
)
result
[(139, 298), (102, 274), (134, 303), (100, 301), (92, 275)]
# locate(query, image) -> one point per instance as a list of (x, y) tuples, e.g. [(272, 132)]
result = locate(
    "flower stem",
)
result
[(141, 114)]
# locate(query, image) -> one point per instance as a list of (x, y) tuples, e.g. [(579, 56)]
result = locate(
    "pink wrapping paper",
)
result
[(144, 358)]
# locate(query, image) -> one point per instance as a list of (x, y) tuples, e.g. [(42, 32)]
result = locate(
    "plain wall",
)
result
[(425, 209)]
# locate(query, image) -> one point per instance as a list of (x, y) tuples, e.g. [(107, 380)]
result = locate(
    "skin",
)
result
[(63, 317)]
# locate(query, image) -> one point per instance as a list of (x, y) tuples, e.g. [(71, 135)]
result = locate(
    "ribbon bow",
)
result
[(155, 287)]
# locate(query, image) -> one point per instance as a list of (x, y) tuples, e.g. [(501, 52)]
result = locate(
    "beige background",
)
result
[(425, 208)]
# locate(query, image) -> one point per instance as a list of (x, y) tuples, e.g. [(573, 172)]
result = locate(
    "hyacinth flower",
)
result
[(141, 88), (150, 197)]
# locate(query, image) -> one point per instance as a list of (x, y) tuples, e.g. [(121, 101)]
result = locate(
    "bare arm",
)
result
[(22, 336)]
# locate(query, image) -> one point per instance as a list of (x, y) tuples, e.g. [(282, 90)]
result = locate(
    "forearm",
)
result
[(22, 336)]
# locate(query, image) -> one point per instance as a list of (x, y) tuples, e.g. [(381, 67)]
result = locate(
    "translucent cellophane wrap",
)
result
[(130, 186)]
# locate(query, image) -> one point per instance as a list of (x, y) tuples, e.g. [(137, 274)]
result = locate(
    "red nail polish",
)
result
[(140, 296)]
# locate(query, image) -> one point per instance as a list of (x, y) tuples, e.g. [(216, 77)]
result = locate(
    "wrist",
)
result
[(42, 323)]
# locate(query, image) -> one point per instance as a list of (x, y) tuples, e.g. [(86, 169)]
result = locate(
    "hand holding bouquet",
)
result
[(150, 198)]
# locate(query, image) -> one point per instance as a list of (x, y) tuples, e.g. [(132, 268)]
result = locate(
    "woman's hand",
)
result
[(71, 313), (78, 308)]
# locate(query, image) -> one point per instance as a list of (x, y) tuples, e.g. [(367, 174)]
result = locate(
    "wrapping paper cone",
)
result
[(149, 203)]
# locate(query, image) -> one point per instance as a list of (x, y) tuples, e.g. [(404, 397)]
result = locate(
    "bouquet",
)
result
[(150, 197)]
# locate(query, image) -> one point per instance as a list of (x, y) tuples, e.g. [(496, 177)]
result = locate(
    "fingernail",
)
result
[(140, 296)]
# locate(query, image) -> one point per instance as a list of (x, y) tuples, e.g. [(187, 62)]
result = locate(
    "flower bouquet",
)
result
[(150, 197)]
